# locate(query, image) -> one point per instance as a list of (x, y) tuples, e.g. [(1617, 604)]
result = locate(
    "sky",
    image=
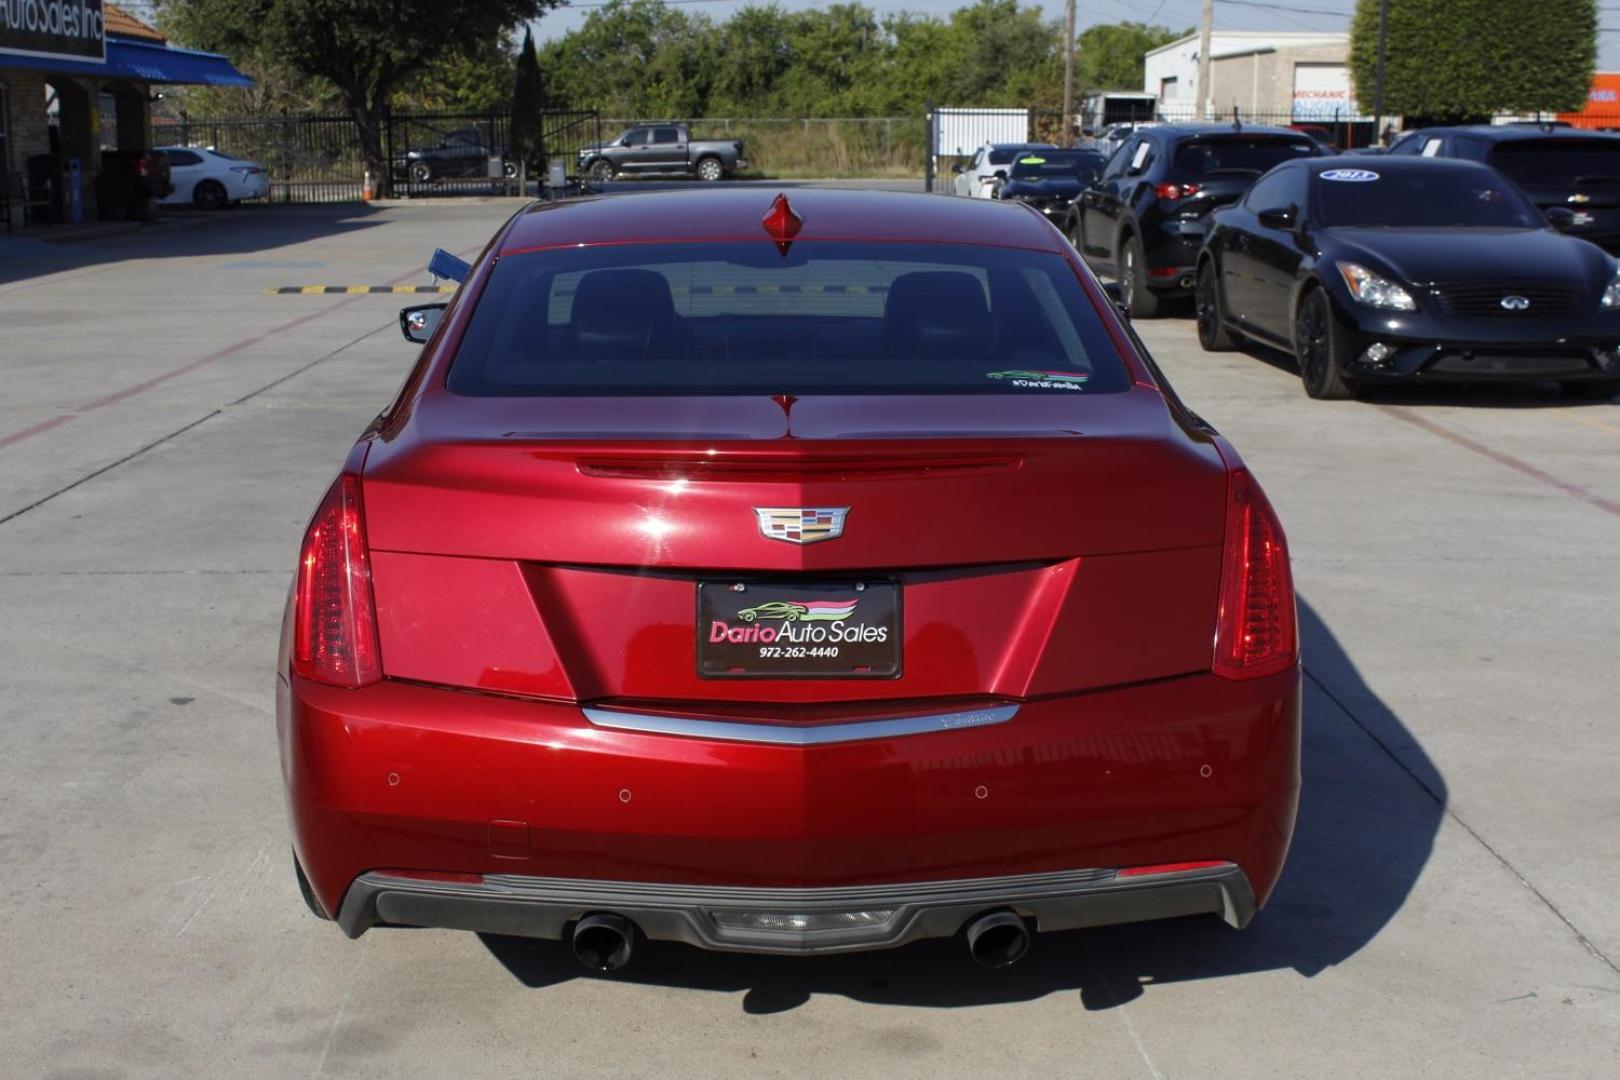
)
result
[(1175, 14)]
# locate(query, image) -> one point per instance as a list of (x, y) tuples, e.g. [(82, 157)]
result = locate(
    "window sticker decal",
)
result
[(1042, 380), (1350, 176)]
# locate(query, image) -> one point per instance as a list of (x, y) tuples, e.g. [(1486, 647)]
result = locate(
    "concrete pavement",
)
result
[(166, 427)]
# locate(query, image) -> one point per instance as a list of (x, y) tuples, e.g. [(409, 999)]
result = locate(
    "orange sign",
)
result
[(1602, 111)]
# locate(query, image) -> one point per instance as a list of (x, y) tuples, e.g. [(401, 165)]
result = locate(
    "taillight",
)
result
[(1176, 191), (335, 627), (1257, 631)]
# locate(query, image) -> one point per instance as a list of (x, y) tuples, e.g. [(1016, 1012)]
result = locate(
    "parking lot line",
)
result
[(220, 354), (356, 290), (1574, 491)]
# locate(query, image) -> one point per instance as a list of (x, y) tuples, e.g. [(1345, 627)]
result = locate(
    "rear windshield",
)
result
[(1416, 198), (1238, 155), (827, 318), (1559, 163), (1040, 164)]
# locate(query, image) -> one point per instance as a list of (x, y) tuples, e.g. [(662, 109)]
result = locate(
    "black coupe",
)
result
[(1376, 269), (1051, 182)]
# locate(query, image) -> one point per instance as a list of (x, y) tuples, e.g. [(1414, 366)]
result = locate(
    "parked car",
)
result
[(1401, 268), (662, 150), (1143, 220), (1051, 181), (517, 691), (463, 153), (978, 177), (1556, 166), (210, 179)]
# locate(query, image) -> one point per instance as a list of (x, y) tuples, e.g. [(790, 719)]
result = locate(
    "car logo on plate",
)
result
[(1515, 303), (801, 524)]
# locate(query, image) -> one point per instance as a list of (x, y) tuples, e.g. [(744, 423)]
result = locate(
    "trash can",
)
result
[(72, 188)]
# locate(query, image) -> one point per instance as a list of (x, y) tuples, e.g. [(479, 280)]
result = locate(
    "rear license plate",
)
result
[(798, 630)]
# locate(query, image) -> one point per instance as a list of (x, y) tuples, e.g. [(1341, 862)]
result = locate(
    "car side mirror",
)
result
[(418, 323), (1001, 174), (1280, 218), (1561, 218), (957, 169)]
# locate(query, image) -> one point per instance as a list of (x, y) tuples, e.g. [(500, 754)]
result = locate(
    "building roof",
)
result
[(120, 23), (1232, 42)]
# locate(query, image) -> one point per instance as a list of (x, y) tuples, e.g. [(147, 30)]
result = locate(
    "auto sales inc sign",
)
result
[(71, 29)]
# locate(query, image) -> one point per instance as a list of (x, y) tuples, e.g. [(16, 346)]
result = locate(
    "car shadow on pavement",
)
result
[(1370, 808), (185, 233)]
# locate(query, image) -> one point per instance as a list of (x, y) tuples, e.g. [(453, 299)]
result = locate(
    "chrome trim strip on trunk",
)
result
[(784, 735)]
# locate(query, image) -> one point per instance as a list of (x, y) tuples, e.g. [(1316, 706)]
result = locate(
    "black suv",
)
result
[(1556, 166), (1143, 220)]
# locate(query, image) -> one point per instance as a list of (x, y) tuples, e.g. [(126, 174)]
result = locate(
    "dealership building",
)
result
[(77, 82), (1276, 77)]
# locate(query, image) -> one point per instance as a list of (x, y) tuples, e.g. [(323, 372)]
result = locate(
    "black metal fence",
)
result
[(318, 158)]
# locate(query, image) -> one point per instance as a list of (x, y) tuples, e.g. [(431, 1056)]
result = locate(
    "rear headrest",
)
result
[(618, 313), (936, 314)]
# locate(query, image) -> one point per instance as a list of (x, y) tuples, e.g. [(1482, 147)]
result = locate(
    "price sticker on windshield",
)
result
[(1350, 176), (1032, 161)]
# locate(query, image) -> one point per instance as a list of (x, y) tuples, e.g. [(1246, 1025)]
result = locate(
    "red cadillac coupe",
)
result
[(787, 577)]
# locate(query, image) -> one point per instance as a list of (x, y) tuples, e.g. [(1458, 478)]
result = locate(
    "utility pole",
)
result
[(1068, 73), (1205, 29), (1378, 78)]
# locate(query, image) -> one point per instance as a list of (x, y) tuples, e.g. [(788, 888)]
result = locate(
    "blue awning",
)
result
[(140, 61)]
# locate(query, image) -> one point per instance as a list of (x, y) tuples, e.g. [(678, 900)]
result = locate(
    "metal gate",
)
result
[(317, 158)]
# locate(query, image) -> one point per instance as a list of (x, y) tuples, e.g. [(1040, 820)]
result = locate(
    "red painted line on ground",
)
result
[(186, 368), (1524, 468), (43, 425)]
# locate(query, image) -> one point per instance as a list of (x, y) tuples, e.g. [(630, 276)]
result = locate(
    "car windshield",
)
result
[(825, 318), (1415, 198), (1562, 163), (1237, 155), (1000, 155), (1048, 164)]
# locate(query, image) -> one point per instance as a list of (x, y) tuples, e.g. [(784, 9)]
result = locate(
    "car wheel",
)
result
[(308, 893), (1212, 332), (602, 171), (1140, 303), (1591, 389), (420, 172), (1316, 349), (710, 169), (210, 195)]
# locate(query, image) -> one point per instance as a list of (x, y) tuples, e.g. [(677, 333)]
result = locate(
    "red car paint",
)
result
[(527, 556)]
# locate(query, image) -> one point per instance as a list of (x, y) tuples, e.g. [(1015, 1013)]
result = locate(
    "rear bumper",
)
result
[(714, 918), (525, 810)]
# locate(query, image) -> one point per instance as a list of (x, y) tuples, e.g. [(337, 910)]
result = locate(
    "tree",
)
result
[(367, 49), (1111, 54), (1455, 59), (525, 141)]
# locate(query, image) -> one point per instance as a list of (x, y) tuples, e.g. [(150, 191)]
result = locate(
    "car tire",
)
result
[(308, 893), (1317, 350), (1212, 332), (210, 195), (1131, 261), (710, 169), (602, 171), (1591, 389), (420, 172)]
